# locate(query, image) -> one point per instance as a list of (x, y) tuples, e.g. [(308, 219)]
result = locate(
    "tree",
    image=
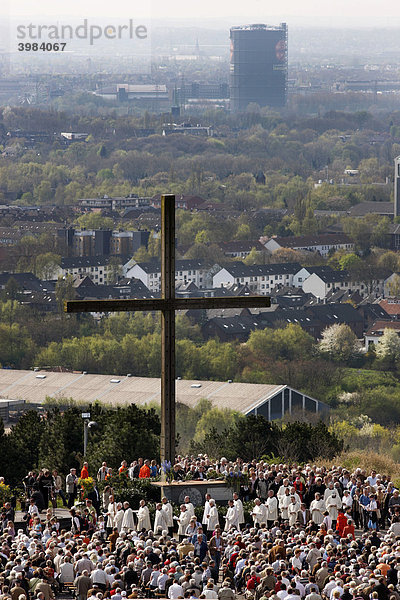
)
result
[(202, 237), (7, 457), (349, 261), (359, 231), (44, 192), (95, 221), (252, 437), (389, 260), (24, 440), (61, 446), (207, 253), (288, 344), (12, 290), (114, 270), (388, 348), (127, 432), (214, 444), (380, 232), (11, 311), (304, 442), (16, 347), (65, 290), (288, 255), (142, 255), (254, 257), (217, 418), (47, 265), (394, 286), (102, 151), (369, 170), (154, 246), (243, 232), (338, 342), (309, 224), (185, 330)]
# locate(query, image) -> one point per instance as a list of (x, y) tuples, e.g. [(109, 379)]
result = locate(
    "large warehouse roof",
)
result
[(35, 386)]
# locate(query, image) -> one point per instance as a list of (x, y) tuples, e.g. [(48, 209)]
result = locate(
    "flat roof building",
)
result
[(269, 400)]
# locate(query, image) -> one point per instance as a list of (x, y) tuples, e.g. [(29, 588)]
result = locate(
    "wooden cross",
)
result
[(167, 304)]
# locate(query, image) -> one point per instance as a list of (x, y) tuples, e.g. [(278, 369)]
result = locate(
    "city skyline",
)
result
[(344, 13)]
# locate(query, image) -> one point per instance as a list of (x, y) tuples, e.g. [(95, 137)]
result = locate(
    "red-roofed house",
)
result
[(391, 306)]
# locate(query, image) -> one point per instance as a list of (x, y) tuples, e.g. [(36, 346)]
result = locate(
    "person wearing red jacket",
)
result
[(252, 581), (341, 522), (145, 472), (349, 529), (299, 487)]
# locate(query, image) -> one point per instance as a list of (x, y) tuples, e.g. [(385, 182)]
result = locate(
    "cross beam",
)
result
[(167, 305)]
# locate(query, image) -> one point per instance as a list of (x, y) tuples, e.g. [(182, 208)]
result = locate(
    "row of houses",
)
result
[(367, 317), (318, 281)]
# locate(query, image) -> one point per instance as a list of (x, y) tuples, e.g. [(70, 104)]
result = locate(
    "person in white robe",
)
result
[(183, 522), (119, 516), (295, 494), (160, 519), (259, 513), (333, 503), (329, 491), (231, 517), (212, 517), (272, 507), (206, 510), (317, 509), (239, 507), (111, 512), (143, 517), (128, 522), (284, 502), (293, 509), (167, 509), (189, 506), (282, 489), (347, 500)]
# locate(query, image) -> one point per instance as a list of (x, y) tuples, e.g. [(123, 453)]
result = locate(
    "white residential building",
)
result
[(322, 243), (96, 267), (261, 279), (324, 280), (185, 271)]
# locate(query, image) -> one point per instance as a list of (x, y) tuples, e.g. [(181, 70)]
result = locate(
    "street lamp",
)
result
[(87, 424)]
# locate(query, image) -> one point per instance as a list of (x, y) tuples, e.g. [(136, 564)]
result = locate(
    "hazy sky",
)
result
[(312, 12)]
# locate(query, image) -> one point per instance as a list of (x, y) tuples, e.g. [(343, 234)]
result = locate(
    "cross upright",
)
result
[(167, 304)]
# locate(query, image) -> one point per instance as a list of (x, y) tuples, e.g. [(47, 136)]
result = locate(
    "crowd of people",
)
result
[(288, 533)]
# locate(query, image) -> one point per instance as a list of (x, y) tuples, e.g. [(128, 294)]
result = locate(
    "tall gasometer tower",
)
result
[(397, 187), (259, 66)]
